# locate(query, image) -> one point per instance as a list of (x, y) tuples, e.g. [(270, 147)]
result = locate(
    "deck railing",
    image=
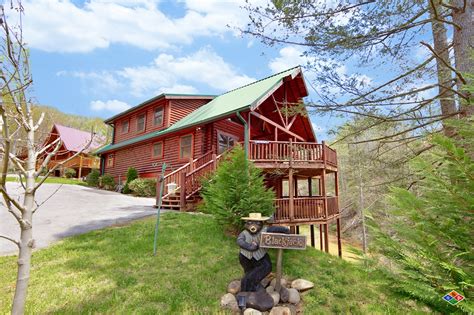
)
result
[(283, 151), (78, 161), (305, 209)]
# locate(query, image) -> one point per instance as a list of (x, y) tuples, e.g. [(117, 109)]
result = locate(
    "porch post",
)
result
[(326, 238), (80, 166), (246, 133), (321, 237), (182, 192), (291, 186), (311, 228), (339, 245)]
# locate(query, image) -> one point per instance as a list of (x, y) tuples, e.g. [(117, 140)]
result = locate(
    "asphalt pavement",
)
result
[(71, 210)]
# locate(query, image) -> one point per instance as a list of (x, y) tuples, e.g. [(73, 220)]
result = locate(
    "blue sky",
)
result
[(99, 57)]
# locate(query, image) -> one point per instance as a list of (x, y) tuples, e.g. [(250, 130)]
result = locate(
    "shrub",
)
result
[(132, 174), (236, 189), (92, 178), (107, 181), (143, 187), (69, 173)]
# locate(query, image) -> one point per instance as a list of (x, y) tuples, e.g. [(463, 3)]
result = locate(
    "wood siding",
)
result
[(140, 156), (149, 124), (180, 108)]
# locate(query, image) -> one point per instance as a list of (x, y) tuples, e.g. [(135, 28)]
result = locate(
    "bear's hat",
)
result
[(255, 217)]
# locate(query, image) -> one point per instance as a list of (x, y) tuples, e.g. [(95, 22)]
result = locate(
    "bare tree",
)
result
[(385, 35), (30, 157)]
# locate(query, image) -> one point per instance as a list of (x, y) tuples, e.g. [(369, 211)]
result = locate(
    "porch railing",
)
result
[(283, 151), (305, 209)]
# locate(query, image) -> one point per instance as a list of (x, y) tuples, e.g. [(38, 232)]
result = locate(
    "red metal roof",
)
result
[(75, 140)]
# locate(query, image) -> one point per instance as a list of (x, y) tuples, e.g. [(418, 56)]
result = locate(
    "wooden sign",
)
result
[(282, 241)]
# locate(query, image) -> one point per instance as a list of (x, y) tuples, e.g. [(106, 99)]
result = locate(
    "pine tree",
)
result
[(428, 234), (236, 189)]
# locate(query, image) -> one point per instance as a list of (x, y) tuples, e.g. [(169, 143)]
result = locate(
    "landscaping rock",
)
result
[(260, 300), (251, 311), (234, 287), (293, 296), (280, 310), (284, 295), (283, 282), (229, 301), (276, 297), (302, 284), (270, 289)]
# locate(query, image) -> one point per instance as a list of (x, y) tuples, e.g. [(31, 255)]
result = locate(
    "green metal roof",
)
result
[(242, 98)]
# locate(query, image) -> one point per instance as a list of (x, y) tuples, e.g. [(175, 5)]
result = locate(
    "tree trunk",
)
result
[(361, 207), (440, 40), (463, 40), (26, 239)]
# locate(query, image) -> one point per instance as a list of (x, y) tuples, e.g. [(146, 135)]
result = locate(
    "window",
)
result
[(158, 116), (141, 122), (125, 126), (224, 142), (185, 146), (110, 160), (157, 150)]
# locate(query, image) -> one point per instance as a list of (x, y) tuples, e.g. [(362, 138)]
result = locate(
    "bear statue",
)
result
[(255, 260)]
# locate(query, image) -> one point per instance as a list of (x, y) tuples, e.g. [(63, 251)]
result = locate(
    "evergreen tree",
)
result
[(236, 189), (428, 234)]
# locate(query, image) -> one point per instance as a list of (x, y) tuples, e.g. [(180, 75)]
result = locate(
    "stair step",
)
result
[(171, 201)]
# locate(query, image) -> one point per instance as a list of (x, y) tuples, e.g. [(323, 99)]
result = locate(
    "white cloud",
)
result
[(62, 26), (110, 105), (168, 73)]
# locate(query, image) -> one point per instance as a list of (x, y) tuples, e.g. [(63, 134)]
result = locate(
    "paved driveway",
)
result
[(72, 210)]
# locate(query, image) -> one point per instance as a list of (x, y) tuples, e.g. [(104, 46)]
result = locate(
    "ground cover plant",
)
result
[(113, 271)]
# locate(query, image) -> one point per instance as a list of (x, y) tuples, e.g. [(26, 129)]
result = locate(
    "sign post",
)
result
[(280, 242), (158, 213)]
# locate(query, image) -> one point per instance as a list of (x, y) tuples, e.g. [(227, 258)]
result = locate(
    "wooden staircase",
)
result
[(188, 180)]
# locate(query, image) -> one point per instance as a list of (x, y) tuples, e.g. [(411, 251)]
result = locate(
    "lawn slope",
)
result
[(113, 271)]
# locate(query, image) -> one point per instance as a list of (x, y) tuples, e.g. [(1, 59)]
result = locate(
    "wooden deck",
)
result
[(306, 210), (298, 155), (78, 162)]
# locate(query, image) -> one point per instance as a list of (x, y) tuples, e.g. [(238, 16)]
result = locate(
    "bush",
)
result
[(132, 174), (92, 178), (143, 187), (107, 181), (236, 189), (69, 173)]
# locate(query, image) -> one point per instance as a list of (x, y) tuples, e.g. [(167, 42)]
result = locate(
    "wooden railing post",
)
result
[(191, 164), (290, 183), (214, 161), (324, 153), (182, 192)]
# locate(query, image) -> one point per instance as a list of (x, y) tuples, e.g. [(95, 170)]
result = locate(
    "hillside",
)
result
[(113, 271), (53, 115)]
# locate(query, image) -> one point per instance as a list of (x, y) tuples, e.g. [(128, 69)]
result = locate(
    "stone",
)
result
[(251, 311), (229, 301), (293, 296), (233, 287), (260, 300), (270, 289), (276, 297), (284, 295), (280, 310), (283, 282), (302, 284)]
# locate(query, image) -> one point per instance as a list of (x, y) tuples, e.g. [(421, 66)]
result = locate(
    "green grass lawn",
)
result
[(55, 180), (113, 271)]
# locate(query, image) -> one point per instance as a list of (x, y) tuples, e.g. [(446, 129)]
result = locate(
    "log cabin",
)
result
[(190, 133), (73, 141)]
